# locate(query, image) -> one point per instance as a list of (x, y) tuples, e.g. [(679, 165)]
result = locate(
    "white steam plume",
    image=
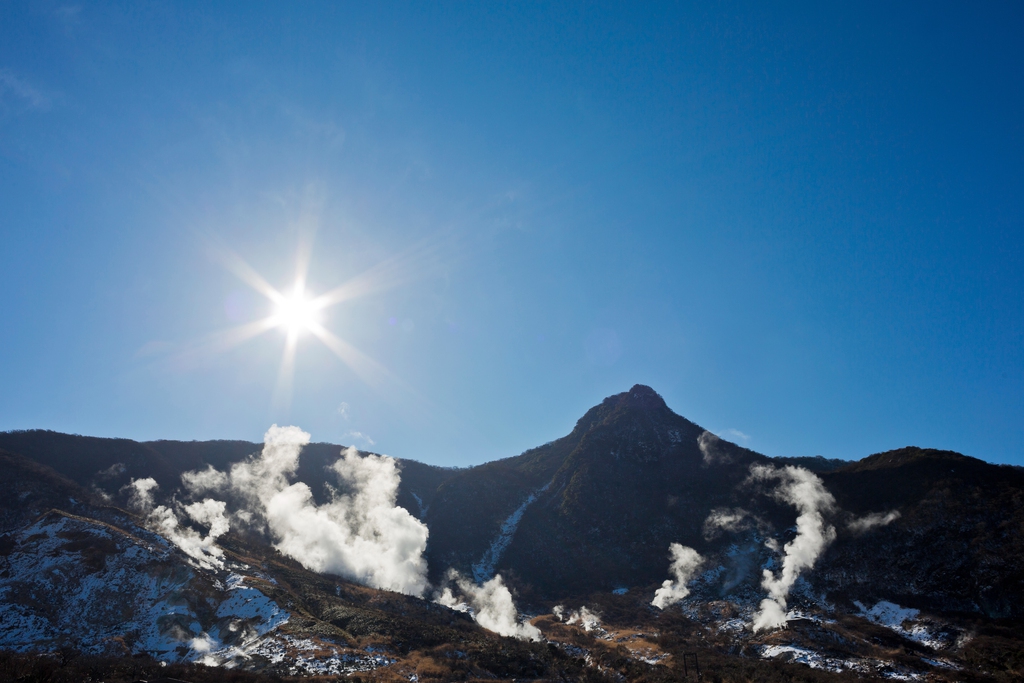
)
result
[(685, 562), (140, 493), (202, 482), (203, 549), (211, 513), (491, 605), (361, 535), (723, 519), (806, 492), (590, 621), (114, 470), (867, 522), (711, 448)]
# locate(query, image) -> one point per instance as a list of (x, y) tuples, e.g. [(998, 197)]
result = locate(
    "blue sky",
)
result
[(800, 224)]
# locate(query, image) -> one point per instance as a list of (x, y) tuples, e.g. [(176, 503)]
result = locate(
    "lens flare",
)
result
[(295, 313)]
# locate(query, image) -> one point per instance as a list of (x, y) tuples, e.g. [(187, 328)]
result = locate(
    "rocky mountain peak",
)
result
[(639, 405), (587, 518), (643, 397)]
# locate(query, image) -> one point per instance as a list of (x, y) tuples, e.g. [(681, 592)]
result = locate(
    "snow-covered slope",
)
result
[(78, 582)]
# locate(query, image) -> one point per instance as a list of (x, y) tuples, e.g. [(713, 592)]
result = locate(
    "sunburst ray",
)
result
[(297, 313)]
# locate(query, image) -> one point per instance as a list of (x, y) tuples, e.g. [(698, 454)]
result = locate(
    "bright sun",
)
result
[(296, 313)]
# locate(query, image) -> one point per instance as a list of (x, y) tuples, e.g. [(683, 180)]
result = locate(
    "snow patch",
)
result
[(121, 592), (419, 502), (905, 621), (484, 569), (814, 660)]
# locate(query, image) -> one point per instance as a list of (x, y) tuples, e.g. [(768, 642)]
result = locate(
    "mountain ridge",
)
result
[(933, 537), (602, 502)]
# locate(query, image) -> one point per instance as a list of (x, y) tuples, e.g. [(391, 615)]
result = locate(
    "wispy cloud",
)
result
[(13, 86), (365, 438), (343, 410), (736, 434)]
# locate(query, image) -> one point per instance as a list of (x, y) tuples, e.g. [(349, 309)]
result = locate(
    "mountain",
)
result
[(593, 510), (958, 543), (108, 465), (906, 564), (599, 507), (95, 583)]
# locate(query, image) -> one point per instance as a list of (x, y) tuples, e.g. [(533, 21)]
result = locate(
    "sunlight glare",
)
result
[(299, 313), (296, 313)]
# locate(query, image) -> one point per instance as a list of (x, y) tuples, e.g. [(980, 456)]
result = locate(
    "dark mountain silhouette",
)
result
[(108, 465), (31, 488), (628, 480), (959, 540), (105, 587), (631, 478), (596, 510), (112, 463), (598, 507)]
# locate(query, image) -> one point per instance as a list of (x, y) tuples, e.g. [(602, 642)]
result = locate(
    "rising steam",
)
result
[(140, 493), (360, 534), (202, 549), (685, 562), (723, 519), (491, 605), (587, 620), (712, 450), (806, 492), (870, 521)]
